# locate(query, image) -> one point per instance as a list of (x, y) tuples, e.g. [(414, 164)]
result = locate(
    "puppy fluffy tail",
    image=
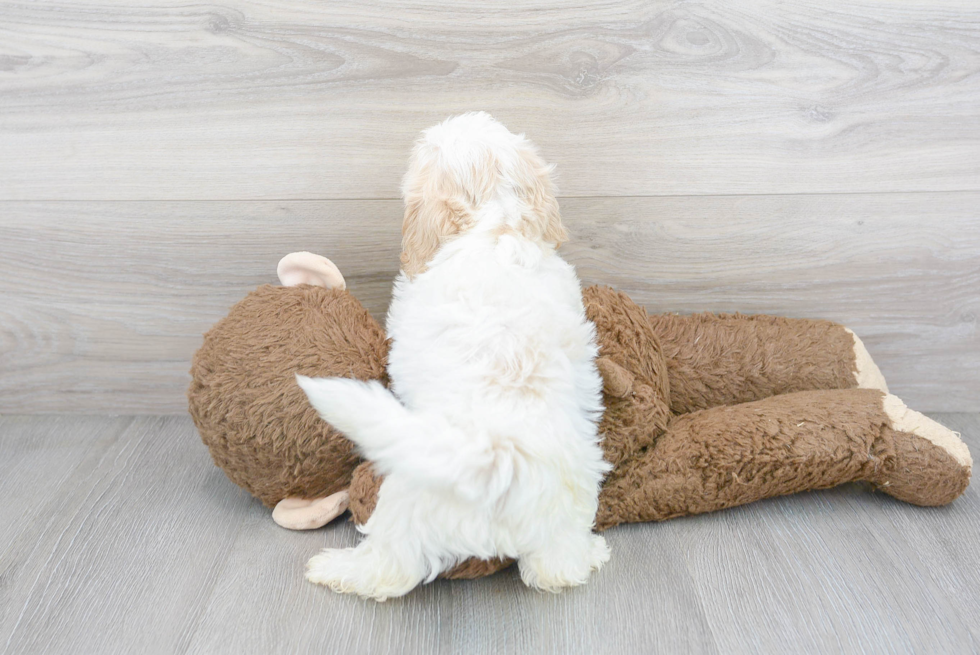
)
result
[(416, 444)]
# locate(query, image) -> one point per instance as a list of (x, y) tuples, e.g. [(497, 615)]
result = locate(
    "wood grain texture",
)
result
[(901, 270), (125, 553), (144, 546), (249, 99), (32, 452), (105, 302)]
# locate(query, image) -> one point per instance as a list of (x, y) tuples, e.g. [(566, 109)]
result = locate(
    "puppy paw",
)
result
[(328, 568), (361, 572), (600, 552), (553, 570)]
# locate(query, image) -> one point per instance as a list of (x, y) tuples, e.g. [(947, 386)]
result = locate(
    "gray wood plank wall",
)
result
[(156, 159)]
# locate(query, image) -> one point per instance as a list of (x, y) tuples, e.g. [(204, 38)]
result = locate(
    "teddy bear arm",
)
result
[(715, 360), (295, 513), (728, 456)]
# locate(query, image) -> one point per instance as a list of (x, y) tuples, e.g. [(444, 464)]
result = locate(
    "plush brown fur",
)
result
[(702, 412), (243, 397), (630, 356), (732, 455), (727, 359)]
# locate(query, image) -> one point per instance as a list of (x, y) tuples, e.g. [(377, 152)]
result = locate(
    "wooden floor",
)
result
[(120, 536)]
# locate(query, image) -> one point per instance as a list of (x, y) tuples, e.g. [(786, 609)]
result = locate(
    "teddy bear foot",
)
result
[(932, 465), (866, 372), (310, 513)]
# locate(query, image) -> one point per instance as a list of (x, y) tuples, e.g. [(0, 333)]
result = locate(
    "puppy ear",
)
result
[(440, 203), (427, 224), (541, 219)]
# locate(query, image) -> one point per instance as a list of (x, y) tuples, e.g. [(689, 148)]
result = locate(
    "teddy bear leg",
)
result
[(931, 464), (728, 456), (715, 360)]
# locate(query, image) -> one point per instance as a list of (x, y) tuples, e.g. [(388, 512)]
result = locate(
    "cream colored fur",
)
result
[(450, 182), (489, 443), (866, 372)]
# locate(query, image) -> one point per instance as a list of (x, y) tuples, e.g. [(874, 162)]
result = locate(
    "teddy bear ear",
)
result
[(306, 268)]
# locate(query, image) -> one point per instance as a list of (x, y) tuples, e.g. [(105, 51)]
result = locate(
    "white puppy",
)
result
[(489, 443)]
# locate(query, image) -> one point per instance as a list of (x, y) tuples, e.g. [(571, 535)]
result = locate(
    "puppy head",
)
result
[(469, 172)]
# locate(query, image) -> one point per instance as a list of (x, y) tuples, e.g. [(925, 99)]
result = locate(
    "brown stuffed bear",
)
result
[(702, 412)]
